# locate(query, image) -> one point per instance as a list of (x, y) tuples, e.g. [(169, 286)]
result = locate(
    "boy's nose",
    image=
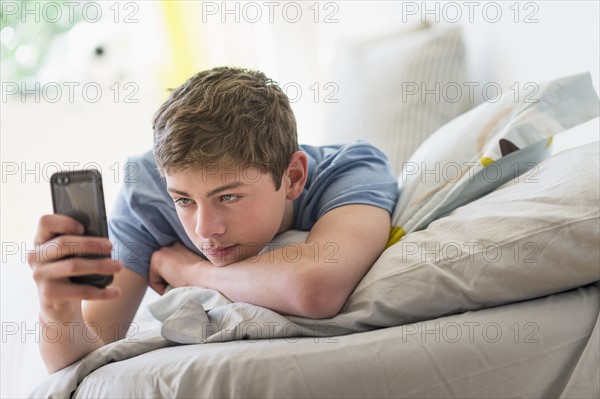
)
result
[(209, 223)]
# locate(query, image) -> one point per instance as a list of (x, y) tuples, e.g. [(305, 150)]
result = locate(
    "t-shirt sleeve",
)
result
[(144, 218), (357, 173)]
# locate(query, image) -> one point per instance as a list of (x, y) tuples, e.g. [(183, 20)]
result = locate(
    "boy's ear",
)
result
[(296, 175)]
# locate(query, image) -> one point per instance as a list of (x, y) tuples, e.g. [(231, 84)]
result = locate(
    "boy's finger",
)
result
[(66, 246), (50, 226), (76, 267)]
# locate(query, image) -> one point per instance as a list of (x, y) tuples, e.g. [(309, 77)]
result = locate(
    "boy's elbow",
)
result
[(316, 300), (317, 308)]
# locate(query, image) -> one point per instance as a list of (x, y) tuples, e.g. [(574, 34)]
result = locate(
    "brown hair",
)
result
[(230, 116)]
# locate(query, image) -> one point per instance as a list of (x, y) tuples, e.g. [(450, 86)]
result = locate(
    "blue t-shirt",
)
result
[(144, 218)]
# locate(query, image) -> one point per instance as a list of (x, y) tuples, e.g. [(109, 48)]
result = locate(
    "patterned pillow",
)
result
[(382, 82), (535, 235), (487, 147)]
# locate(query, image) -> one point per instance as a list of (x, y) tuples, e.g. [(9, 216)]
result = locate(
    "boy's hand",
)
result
[(174, 266), (59, 247)]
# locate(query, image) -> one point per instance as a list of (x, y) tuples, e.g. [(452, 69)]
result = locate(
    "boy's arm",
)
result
[(111, 319), (69, 331), (98, 323), (338, 252)]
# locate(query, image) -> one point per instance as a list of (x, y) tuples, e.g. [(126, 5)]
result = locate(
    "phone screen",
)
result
[(79, 194)]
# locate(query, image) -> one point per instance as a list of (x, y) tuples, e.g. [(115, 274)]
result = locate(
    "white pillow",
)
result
[(462, 161), (380, 89), (527, 239)]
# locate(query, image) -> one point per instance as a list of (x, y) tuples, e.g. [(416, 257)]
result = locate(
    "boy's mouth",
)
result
[(219, 251)]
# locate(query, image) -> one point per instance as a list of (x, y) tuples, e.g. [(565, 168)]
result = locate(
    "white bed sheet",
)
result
[(546, 347)]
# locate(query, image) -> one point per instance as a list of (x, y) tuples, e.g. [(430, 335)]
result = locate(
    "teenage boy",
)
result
[(226, 175)]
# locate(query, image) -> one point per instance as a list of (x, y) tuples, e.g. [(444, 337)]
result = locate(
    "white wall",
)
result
[(36, 136)]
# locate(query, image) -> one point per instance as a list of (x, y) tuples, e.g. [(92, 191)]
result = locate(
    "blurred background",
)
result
[(82, 80)]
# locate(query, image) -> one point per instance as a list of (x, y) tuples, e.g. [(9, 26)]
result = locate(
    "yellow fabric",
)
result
[(485, 161), (187, 53), (396, 233)]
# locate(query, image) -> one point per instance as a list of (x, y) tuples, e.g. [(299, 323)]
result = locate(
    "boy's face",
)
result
[(229, 213)]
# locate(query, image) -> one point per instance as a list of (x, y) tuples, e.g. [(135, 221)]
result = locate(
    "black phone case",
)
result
[(79, 194)]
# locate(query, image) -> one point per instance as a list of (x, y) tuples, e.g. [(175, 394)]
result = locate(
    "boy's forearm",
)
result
[(290, 280), (89, 325), (62, 344)]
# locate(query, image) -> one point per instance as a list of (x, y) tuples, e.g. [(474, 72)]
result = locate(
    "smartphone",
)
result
[(79, 194)]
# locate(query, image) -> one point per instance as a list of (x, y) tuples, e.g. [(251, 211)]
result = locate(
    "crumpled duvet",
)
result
[(194, 315)]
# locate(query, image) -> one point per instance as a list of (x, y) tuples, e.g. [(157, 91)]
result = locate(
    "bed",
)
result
[(517, 350), (488, 288)]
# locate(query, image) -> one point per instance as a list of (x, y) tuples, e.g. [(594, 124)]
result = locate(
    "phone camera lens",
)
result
[(65, 180)]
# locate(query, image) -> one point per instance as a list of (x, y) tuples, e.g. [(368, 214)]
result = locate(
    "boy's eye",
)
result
[(229, 197), (183, 202)]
